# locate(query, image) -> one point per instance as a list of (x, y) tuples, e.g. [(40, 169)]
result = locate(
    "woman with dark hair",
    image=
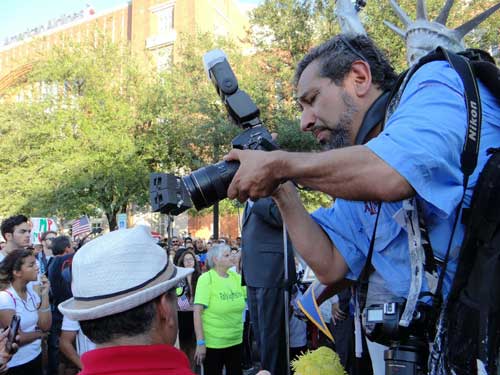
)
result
[(187, 338), (31, 303)]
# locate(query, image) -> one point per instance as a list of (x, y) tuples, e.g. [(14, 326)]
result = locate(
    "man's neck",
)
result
[(9, 247), (144, 339), (47, 252), (221, 271), (374, 132)]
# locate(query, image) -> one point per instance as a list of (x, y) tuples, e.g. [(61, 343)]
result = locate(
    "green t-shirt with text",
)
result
[(224, 301)]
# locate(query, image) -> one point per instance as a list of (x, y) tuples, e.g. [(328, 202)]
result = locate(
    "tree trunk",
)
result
[(112, 220), (111, 216)]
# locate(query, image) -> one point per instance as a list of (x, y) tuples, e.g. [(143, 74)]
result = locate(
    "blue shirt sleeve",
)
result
[(350, 226), (424, 137), (340, 227)]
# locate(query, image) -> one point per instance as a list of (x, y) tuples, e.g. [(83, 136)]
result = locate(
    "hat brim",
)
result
[(88, 310)]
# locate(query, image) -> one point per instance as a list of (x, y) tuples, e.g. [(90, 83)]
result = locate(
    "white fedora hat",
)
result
[(117, 272)]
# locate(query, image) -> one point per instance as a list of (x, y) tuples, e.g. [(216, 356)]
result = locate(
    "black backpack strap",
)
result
[(470, 151)]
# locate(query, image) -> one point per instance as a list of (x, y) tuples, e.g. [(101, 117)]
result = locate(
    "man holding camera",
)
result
[(416, 155)]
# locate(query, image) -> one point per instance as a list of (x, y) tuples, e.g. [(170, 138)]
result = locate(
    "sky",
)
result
[(16, 16)]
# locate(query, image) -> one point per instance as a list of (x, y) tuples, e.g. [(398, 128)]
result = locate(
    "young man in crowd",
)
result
[(16, 231)]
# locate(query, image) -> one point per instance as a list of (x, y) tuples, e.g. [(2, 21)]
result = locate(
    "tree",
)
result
[(71, 146), (285, 25)]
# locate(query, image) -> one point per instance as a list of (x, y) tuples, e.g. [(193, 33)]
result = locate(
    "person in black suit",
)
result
[(263, 274)]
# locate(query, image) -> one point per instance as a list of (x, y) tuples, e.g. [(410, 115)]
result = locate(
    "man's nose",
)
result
[(307, 120)]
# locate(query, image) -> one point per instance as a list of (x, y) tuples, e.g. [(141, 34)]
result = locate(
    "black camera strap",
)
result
[(470, 151)]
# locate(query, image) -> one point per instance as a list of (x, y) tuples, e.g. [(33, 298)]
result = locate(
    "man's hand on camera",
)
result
[(258, 175)]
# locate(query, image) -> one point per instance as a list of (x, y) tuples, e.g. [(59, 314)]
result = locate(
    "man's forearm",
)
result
[(308, 238), (353, 173)]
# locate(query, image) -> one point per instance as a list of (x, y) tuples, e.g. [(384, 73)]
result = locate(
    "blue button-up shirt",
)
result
[(422, 141)]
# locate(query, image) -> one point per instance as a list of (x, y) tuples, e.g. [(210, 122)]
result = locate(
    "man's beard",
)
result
[(340, 134)]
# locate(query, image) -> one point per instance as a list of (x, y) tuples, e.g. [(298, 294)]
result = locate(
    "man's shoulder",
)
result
[(58, 260), (54, 263), (137, 359), (436, 72)]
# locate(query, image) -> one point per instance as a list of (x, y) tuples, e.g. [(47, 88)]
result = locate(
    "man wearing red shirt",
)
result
[(124, 298)]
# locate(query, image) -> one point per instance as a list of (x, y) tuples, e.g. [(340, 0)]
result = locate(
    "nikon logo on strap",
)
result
[(473, 121)]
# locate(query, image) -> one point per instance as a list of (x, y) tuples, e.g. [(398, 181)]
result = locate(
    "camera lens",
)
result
[(209, 184)]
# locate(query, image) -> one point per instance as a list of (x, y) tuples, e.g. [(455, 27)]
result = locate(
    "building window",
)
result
[(165, 20)]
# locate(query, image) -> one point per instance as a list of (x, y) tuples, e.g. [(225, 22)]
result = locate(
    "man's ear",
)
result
[(167, 309), (360, 78), (8, 236)]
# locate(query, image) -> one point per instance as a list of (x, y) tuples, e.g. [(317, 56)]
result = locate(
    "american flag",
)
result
[(80, 226)]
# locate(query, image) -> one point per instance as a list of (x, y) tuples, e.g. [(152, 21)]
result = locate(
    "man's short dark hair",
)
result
[(336, 56), (44, 235), (59, 244), (11, 222), (129, 323)]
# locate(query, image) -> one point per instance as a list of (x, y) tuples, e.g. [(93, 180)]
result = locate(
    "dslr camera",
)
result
[(170, 194), (408, 346)]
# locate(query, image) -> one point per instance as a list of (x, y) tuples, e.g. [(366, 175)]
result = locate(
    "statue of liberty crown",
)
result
[(422, 35)]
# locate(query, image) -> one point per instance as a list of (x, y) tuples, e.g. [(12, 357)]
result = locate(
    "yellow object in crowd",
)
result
[(322, 361)]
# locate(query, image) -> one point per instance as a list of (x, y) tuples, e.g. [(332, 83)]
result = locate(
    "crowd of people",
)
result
[(214, 325)]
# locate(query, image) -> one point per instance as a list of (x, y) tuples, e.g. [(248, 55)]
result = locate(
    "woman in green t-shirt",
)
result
[(218, 314)]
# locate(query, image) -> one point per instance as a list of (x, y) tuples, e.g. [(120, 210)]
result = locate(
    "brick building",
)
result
[(148, 25)]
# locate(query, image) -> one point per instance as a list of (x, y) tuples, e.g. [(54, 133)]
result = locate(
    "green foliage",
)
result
[(284, 24), (71, 146)]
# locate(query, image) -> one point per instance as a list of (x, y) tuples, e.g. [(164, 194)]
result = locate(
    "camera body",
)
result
[(170, 194), (381, 322), (408, 346)]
